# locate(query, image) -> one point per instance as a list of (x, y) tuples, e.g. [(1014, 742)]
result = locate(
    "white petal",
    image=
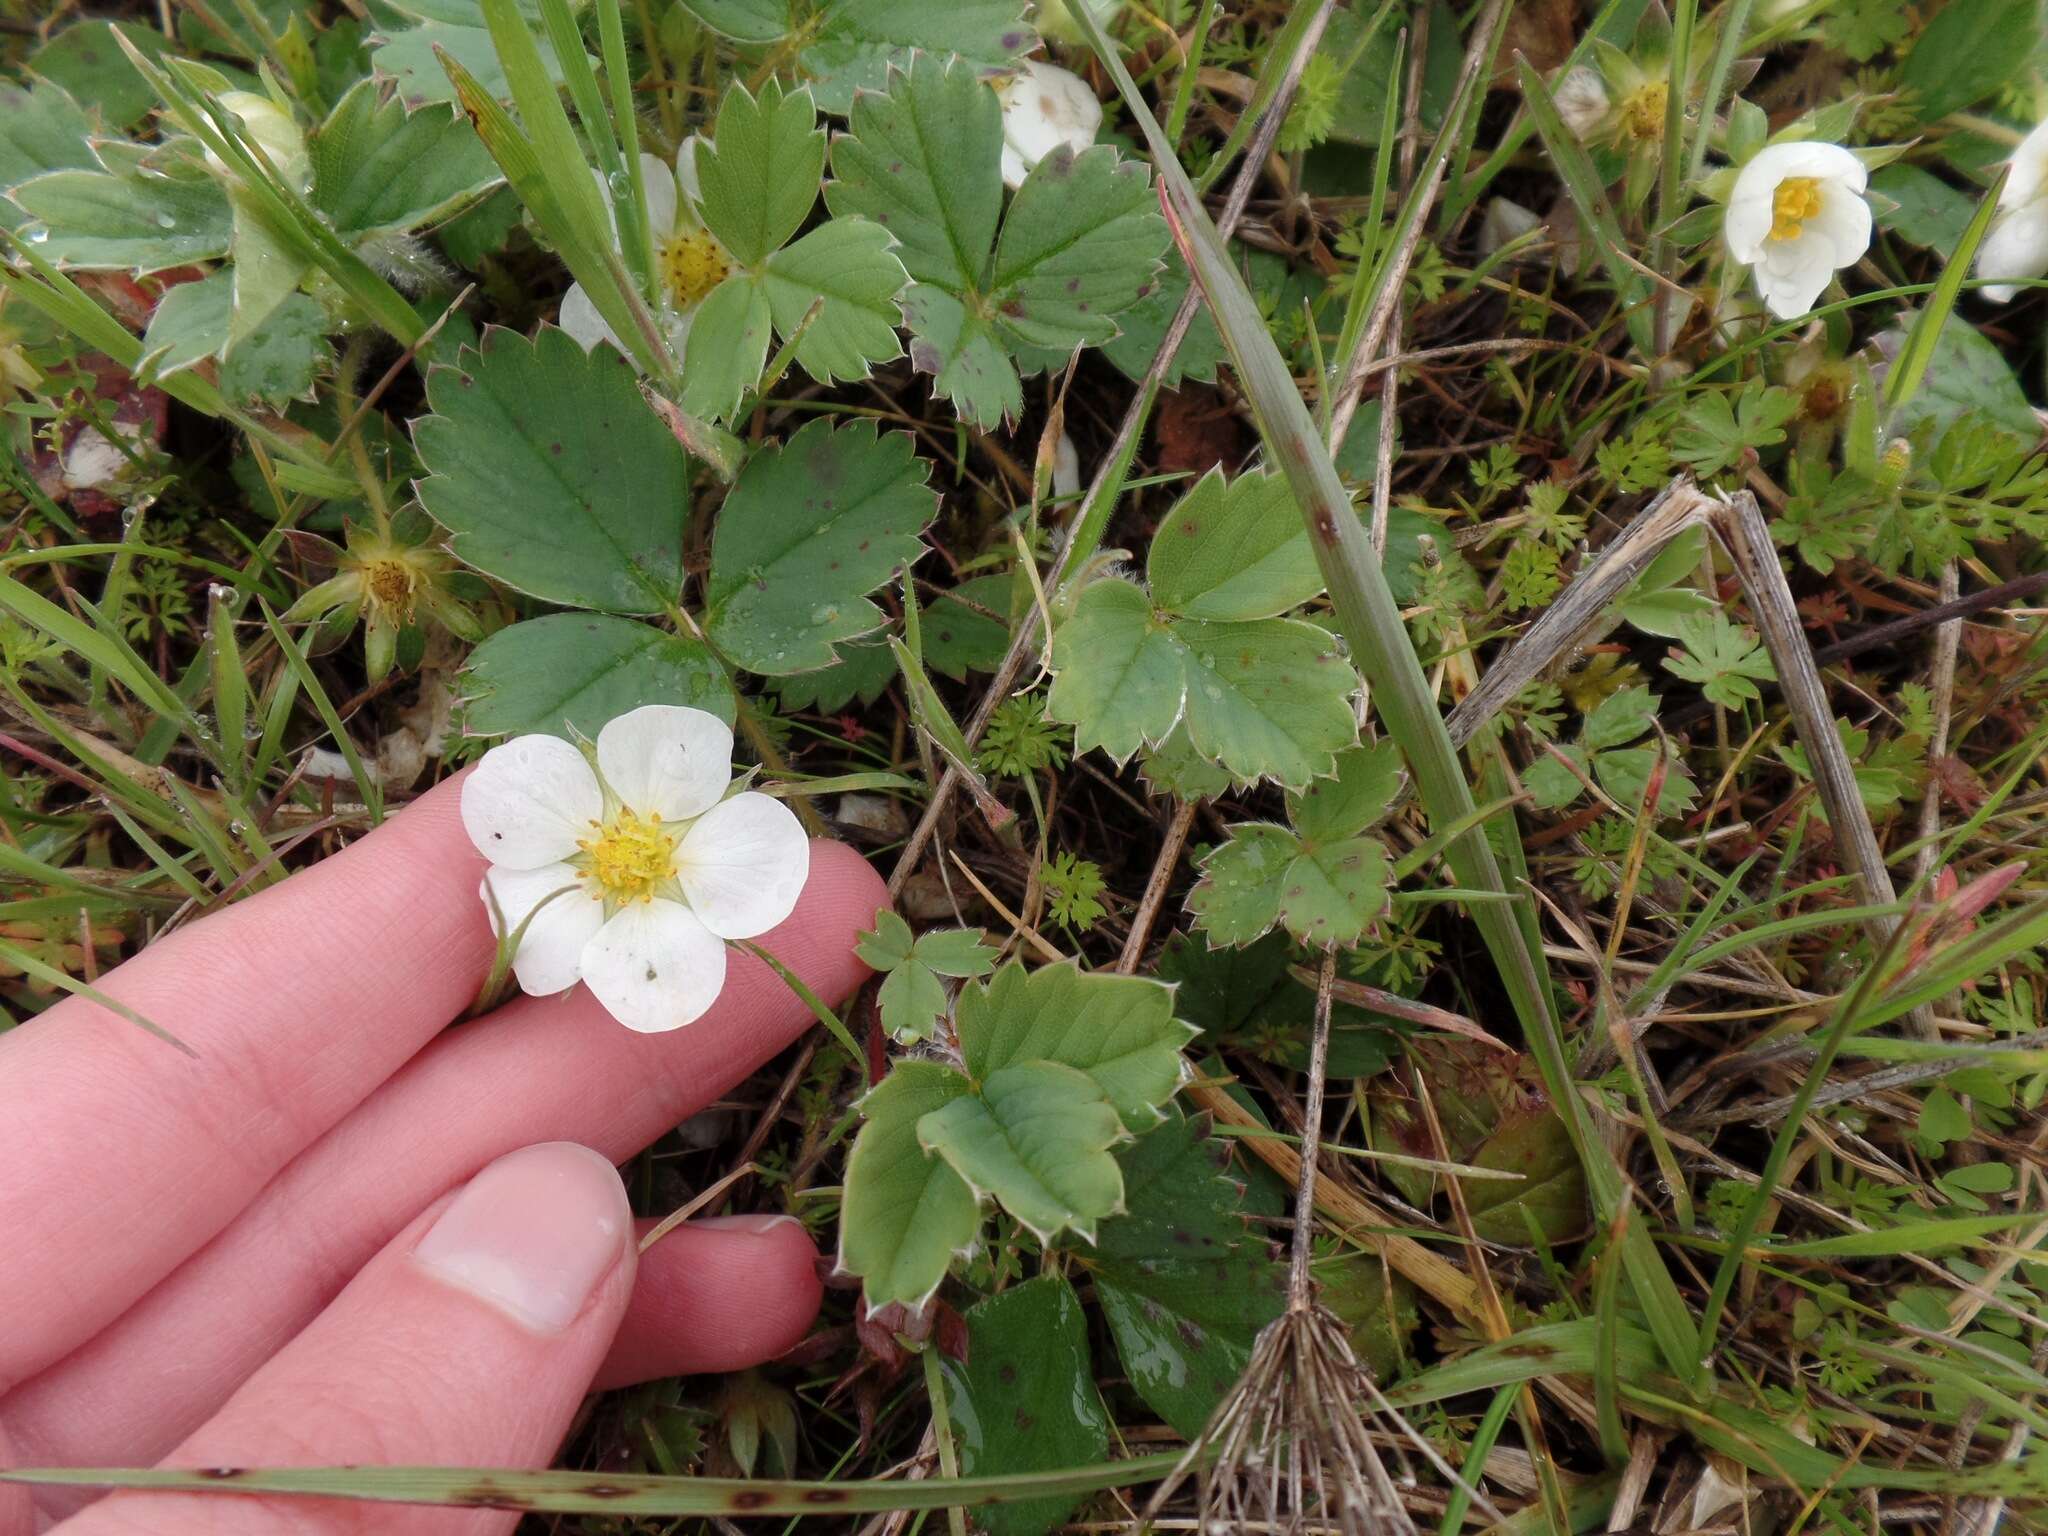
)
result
[(660, 184), (654, 967), (1844, 223), (2029, 176), (743, 865), (550, 951), (1066, 467), (1790, 292), (1044, 107), (1748, 224), (579, 317), (1014, 168), (529, 801), (1580, 96), (2015, 247), (666, 760)]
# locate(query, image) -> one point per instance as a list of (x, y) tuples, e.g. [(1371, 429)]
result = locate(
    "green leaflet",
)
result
[(1119, 1030), (906, 1211), (379, 167), (1080, 244), (1036, 1137), (569, 673), (41, 129), (811, 527), (759, 171), (99, 221), (1233, 549), (552, 474)]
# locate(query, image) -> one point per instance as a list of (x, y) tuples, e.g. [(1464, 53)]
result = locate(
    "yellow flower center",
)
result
[(692, 264), (1642, 113), (1796, 200), (629, 857), (390, 584)]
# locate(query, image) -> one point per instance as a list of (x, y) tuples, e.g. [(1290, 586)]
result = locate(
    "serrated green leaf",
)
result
[(1268, 699), (101, 222), (1332, 892), (760, 169), (847, 263), (1119, 1030), (1551, 784), (727, 347), (1184, 1281), (1024, 1399), (1175, 768), (888, 944), (569, 673), (1233, 549), (552, 474), (1036, 1137), (379, 167), (1366, 781), (267, 268), (1323, 893), (744, 21), (959, 637), (188, 325), (963, 355), (1237, 899), (1117, 674), (912, 1001), (854, 42), (86, 61), (811, 527), (408, 60), (41, 130), (922, 161), (276, 362), (1620, 718), (905, 1213), (1081, 244), (1552, 1195), (956, 952), (1141, 330)]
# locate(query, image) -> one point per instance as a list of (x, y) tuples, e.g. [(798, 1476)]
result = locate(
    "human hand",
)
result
[(282, 1250)]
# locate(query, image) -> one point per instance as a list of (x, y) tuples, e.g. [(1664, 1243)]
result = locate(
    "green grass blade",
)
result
[(1902, 383)]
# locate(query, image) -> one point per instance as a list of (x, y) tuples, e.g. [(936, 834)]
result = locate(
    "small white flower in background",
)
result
[(271, 129), (1580, 96), (688, 260), (631, 876), (1044, 107), (1796, 215), (2016, 246)]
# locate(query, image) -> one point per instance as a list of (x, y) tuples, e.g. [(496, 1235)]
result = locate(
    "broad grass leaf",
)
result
[(1233, 549), (1185, 1283), (553, 475), (377, 166), (1024, 1400), (1119, 1030), (905, 1212), (812, 526), (569, 673), (1036, 1137), (760, 170)]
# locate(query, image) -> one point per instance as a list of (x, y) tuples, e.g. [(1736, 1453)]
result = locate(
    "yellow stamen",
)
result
[(1796, 200), (630, 857), (692, 264), (391, 584), (1642, 113)]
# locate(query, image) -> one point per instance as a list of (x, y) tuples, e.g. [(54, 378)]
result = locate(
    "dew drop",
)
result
[(38, 235), (165, 221)]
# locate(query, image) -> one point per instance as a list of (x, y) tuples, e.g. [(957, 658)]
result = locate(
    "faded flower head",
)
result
[(688, 261), (2016, 246), (629, 873), (1044, 107), (1797, 214), (394, 576)]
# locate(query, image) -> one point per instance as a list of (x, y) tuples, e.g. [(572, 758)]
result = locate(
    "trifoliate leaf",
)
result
[(552, 474), (1120, 1030), (905, 1212), (810, 528), (760, 169), (378, 167), (1036, 1137), (1324, 893), (569, 673), (847, 263), (1233, 549), (1185, 1282), (913, 998), (101, 222)]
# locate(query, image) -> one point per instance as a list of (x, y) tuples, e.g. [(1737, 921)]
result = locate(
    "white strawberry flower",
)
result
[(1044, 107), (2016, 245), (1796, 215), (631, 874), (688, 260)]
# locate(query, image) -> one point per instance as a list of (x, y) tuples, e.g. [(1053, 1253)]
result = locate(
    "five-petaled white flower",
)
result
[(688, 260), (2016, 246), (1796, 215), (631, 877), (1044, 107)]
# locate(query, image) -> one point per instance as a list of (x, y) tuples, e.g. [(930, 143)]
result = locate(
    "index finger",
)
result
[(297, 1002)]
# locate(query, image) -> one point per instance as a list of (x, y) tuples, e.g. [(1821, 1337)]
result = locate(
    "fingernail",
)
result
[(532, 1234), (754, 1225)]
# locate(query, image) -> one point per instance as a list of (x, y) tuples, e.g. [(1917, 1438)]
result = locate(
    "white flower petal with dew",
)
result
[(654, 966), (1794, 257), (560, 919), (667, 759), (743, 865), (530, 801), (1044, 107), (2016, 246)]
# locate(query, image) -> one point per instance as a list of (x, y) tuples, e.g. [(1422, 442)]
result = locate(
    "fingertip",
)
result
[(712, 1296)]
